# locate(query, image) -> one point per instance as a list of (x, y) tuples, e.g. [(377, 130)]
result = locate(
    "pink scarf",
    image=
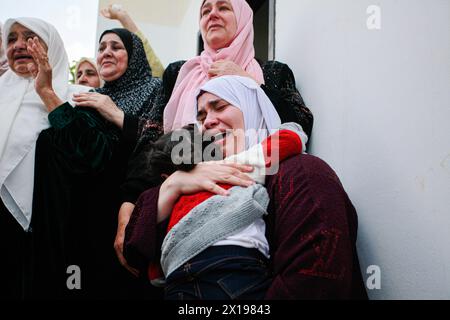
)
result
[(181, 108)]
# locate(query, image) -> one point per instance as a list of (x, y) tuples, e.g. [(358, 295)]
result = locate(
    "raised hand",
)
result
[(112, 12), (41, 69)]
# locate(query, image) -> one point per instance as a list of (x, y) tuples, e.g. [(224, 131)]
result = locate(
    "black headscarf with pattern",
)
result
[(136, 92)]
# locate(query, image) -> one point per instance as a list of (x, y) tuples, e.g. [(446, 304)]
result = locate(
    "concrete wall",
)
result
[(381, 102)]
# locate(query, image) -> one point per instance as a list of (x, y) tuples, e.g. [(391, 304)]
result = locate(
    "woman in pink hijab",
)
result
[(227, 31), (297, 227)]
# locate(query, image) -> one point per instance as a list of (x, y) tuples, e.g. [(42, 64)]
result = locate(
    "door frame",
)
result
[(272, 29)]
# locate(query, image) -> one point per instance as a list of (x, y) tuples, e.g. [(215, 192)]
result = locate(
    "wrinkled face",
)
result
[(16, 50), (218, 23), (87, 75), (112, 58), (224, 121)]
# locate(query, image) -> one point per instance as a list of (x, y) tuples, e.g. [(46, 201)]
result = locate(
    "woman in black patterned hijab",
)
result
[(80, 163), (136, 93)]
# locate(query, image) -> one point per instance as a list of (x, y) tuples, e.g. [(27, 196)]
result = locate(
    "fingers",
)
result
[(133, 271), (89, 95), (237, 181), (37, 51), (40, 51), (119, 252), (104, 12), (32, 69), (235, 165), (229, 173), (214, 188), (84, 96), (86, 99), (212, 72), (31, 50)]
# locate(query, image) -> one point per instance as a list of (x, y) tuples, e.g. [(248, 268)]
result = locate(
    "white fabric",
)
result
[(3, 60), (23, 117), (245, 94), (259, 114), (252, 236), (3, 46)]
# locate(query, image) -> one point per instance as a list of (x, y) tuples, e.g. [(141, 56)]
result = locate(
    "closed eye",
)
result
[(201, 115)]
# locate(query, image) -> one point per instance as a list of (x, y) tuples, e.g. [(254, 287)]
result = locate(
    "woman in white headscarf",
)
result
[(23, 117), (87, 73), (3, 61)]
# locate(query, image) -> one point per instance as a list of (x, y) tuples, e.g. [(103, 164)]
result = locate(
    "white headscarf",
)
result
[(3, 60), (23, 117), (92, 63), (245, 94)]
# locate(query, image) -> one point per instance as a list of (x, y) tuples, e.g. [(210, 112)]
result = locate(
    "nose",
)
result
[(211, 123), (214, 13), (20, 43), (82, 79), (107, 52)]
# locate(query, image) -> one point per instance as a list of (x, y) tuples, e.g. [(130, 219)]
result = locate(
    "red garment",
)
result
[(285, 143), (311, 228)]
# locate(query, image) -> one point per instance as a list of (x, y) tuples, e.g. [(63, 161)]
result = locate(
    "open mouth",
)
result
[(22, 58)]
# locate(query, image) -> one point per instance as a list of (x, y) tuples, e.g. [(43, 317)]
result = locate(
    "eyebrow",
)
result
[(29, 33), (212, 103), (208, 4), (111, 41), (25, 33)]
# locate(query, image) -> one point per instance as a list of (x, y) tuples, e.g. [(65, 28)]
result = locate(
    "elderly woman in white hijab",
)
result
[(23, 117), (3, 61)]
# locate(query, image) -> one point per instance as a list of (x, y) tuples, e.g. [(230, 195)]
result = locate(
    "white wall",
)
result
[(381, 101), (170, 26)]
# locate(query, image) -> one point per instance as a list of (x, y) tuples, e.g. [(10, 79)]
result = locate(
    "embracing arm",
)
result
[(146, 228)]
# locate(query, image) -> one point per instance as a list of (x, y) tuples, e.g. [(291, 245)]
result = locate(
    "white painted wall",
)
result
[(171, 28), (381, 101)]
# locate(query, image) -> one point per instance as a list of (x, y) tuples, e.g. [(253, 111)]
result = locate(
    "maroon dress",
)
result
[(311, 229)]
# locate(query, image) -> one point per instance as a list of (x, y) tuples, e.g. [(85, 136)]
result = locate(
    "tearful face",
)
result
[(16, 50)]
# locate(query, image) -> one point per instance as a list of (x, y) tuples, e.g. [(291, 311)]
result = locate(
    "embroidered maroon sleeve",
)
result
[(141, 234), (312, 233)]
